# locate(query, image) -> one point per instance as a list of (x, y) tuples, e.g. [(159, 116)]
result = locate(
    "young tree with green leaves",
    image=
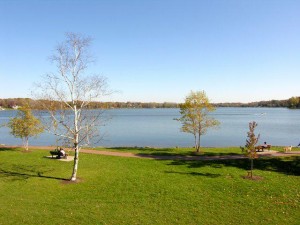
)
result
[(251, 141), (195, 116), (25, 125)]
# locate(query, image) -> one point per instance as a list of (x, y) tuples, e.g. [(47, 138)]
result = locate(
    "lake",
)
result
[(157, 128)]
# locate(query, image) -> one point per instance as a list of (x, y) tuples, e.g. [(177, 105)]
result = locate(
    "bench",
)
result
[(56, 153), (262, 147)]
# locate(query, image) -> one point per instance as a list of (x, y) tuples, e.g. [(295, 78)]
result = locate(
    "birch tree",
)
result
[(68, 92), (195, 116)]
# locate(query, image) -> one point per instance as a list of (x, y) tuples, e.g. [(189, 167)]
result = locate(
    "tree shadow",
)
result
[(285, 165), (190, 157), (152, 151), (24, 173), (3, 149), (148, 150), (210, 175), (220, 154)]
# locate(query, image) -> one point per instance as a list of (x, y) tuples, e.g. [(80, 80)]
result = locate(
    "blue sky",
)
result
[(160, 50)]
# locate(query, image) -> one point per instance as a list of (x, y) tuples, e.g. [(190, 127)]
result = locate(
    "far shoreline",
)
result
[(14, 103)]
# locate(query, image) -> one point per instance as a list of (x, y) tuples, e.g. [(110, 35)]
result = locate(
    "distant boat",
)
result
[(260, 114)]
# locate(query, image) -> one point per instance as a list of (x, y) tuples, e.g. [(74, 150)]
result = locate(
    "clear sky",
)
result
[(160, 50)]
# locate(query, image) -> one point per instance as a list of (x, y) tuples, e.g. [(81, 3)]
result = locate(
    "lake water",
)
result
[(157, 127)]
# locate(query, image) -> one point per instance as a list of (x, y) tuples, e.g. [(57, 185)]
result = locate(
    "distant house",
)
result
[(15, 106)]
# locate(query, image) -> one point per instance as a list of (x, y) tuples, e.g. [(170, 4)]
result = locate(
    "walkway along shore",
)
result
[(270, 153)]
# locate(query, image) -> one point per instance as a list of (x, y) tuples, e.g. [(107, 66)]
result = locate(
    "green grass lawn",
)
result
[(175, 151), (116, 190), (207, 151)]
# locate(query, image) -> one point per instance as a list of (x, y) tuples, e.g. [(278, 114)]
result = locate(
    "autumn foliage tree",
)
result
[(294, 102), (25, 125), (195, 116)]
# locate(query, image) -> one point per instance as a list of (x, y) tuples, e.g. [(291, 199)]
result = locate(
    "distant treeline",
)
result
[(38, 104), (293, 102), (272, 103)]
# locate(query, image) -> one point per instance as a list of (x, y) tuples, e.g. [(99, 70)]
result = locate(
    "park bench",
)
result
[(56, 153), (262, 147)]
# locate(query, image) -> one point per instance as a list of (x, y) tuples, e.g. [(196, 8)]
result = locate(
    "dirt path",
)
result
[(270, 153)]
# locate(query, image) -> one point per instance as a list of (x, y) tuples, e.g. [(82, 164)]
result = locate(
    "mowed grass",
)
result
[(116, 190), (207, 151)]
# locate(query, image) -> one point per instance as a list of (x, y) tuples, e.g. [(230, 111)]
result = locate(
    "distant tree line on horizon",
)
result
[(35, 104), (271, 104), (9, 103)]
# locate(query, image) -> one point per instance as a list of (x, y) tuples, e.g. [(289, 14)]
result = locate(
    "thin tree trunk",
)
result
[(196, 144), (26, 143), (199, 142), (76, 160), (76, 137), (251, 168)]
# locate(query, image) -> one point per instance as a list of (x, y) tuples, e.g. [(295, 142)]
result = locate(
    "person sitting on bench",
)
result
[(265, 145), (61, 153)]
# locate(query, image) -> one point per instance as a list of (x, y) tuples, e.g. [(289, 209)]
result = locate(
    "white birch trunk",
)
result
[(76, 160), (76, 146)]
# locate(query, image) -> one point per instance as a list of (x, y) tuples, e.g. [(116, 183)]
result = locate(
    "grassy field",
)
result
[(116, 190), (207, 151)]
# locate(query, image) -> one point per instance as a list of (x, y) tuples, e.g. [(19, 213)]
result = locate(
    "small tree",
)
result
[(25, 125), (251, 141), (195, 117)]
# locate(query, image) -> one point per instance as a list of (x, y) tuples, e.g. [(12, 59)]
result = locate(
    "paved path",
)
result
[(270, 153)]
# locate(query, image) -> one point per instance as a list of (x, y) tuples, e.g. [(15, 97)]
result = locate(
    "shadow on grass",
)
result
[(287, 165), (219, 154), (2, 149), (161, 153), (24, 173), (210, 175), (146, 149), (150, 151)]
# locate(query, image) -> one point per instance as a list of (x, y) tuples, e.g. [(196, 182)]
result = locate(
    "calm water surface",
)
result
[(157, 127)]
